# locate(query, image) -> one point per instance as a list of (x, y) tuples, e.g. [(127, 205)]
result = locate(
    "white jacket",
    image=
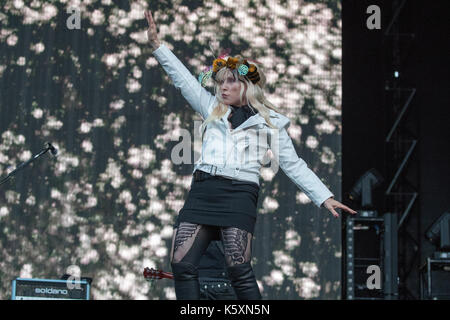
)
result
[(239, 153)]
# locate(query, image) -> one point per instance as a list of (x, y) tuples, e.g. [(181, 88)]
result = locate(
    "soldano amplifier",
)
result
[(46, 289)]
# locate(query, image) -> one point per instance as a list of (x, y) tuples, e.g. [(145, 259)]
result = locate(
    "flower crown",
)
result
[(243, 67)]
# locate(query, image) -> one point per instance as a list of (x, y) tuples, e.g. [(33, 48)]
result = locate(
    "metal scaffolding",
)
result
[(401, 160)]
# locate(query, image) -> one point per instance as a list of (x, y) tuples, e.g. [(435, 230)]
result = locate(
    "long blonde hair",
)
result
[(254, 95)]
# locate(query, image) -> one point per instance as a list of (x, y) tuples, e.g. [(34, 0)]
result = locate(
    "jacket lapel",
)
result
[(225, 116), (253, 120)]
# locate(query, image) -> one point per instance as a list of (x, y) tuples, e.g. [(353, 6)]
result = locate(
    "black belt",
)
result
[(201, 175)]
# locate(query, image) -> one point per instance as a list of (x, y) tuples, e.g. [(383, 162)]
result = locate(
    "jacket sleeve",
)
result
[(296, 168), (198, 97)]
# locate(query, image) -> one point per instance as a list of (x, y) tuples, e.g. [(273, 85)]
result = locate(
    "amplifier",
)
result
[(370, 242), (47, 289)]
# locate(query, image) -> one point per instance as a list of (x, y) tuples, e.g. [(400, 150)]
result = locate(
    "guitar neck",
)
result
[(168, 275), (152, 274)]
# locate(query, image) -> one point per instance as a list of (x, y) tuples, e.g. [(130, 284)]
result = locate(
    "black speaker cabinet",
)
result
[(369, 251)]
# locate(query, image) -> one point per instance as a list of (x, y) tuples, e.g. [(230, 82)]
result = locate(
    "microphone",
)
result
[(53, 150)]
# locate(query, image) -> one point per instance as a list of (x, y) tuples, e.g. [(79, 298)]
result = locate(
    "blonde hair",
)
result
[(254, 95)]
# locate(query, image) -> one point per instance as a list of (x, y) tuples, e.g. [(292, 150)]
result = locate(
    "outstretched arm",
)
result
[(198, 97), (297, 170)]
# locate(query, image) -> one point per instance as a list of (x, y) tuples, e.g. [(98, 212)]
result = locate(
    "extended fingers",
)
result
[(151, 22), (337, 205), (148, 17), (334, 213), (347, 209)]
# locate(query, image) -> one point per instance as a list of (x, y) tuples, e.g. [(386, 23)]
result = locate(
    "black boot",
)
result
[(186, 281), (244, 282)]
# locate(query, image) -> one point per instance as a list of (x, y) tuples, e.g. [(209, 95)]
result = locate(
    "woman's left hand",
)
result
[(332, 204)]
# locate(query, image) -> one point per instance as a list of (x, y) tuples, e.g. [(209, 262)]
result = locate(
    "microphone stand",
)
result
[(24, 164)]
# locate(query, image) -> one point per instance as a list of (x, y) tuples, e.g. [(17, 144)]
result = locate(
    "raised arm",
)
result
[(198, 97)]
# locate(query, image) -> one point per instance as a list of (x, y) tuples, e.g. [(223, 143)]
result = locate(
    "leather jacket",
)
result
[(240, 153)]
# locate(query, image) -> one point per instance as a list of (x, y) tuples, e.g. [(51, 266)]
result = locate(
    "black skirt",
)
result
[(218, 201)]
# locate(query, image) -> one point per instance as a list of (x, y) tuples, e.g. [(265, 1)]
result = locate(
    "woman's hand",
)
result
[(332, 204), (152, 33)]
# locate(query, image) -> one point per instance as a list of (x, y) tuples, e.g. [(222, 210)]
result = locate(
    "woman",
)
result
[(240, 127)]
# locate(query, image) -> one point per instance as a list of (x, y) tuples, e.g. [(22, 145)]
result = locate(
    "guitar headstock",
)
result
[(152, 274)]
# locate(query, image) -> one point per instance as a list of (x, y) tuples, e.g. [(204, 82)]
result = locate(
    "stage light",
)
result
[(396, 74), (439, 232), (364, 186), (434, 274)]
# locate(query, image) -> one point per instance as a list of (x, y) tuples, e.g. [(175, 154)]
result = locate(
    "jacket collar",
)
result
[(253, 120)]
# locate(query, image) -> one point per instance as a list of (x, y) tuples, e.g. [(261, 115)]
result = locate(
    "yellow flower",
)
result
[(231, 62), (218, 64)]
